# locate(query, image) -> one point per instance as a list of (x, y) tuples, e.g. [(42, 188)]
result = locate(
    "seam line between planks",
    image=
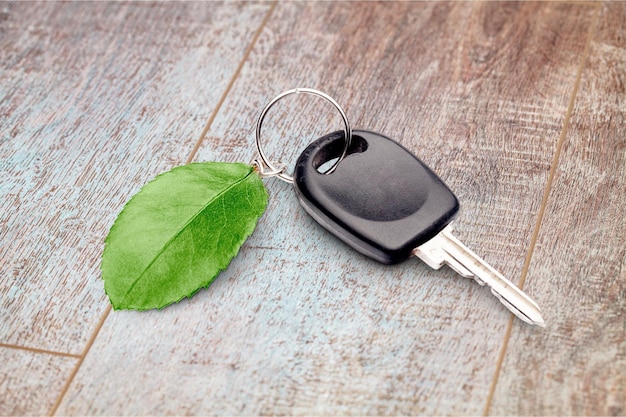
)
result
[(246, 54), (544, 203), (81, 357), (69, 380), (37, 350)]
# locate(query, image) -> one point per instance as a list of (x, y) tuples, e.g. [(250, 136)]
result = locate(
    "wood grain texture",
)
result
[(578, 366), (97, 98), (299, 323), (31, 381)]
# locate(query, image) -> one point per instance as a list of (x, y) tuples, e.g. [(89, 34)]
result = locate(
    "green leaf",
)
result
[(179, 231)]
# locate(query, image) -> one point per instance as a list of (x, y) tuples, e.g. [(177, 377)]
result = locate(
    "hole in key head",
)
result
[(327, 156), (326, 166)]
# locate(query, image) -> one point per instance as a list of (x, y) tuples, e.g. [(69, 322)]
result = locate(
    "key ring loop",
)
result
[(279, 172)]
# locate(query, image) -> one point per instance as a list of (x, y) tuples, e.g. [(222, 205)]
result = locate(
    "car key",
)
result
[(384, 202)]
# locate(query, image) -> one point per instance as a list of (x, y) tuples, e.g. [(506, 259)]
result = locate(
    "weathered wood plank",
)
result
[(90, 102), (97, 98), (300, 324), (578, 365), (31, 380)]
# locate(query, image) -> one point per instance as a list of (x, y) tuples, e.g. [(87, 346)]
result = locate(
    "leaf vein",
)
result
[(177, 234)]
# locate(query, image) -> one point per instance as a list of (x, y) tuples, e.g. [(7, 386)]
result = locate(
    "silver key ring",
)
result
[(274, 171)]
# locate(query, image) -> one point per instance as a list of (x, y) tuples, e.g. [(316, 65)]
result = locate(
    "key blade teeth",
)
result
[(528, 315), (520, 304), (460, 269)]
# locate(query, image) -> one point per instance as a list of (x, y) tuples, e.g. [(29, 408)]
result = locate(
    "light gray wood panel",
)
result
[(96, 98), (578, 365), (31, 381), (300, 324)]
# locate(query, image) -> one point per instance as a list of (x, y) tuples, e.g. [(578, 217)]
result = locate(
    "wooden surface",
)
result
[(518, 106)]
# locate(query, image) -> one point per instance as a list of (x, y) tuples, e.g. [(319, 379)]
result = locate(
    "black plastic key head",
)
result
[(380, 199)]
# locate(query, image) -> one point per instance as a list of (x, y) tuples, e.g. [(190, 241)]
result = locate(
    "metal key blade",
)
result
[(445, 248)]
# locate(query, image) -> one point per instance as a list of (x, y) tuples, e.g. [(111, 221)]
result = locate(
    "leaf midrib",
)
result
[(167, 244)]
